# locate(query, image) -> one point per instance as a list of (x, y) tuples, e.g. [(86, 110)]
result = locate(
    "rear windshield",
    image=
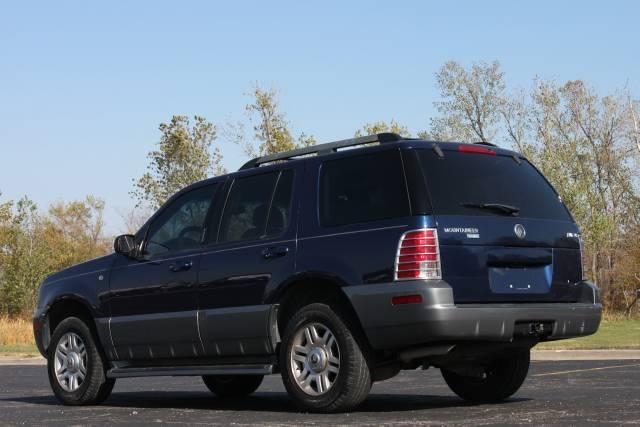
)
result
[(460, 179)]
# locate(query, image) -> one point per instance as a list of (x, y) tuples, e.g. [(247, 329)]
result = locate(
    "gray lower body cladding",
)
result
[(223, 332), (438, 319)]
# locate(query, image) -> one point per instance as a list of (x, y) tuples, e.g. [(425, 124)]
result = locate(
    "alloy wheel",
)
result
[(71, 362), (315, 359)]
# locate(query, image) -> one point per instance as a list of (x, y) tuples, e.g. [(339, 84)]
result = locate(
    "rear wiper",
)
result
[(498, 207)]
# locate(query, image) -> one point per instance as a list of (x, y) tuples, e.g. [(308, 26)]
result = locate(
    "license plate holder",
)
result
[(523, 280)]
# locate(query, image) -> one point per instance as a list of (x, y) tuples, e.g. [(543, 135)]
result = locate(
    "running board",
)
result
[(176, 371)]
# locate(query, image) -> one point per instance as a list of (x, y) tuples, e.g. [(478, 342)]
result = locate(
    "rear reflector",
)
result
[(406, 299), (418, 256), (474, 149)]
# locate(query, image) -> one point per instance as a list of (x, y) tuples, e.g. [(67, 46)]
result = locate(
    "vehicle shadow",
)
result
[(260, 402)]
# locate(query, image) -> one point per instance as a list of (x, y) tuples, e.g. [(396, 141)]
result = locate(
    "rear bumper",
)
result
[(438, 319)]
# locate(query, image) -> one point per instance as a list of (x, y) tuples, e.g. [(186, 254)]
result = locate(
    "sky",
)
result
[(83, 86)]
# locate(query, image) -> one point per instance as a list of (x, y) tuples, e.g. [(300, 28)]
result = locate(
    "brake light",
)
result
[(418, 256), (583, 259), (474, 149)]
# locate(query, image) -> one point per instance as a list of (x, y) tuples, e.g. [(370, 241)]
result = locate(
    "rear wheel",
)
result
[(232, 385), (503, 377), (76, 370), (323, 367)]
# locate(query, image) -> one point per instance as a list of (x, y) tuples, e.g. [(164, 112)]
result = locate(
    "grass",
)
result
[(15, 331), (16, 337), (613, 334), (19, 350)]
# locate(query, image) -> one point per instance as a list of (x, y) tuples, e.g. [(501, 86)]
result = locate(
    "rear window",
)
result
[(464, 178), (362, 188)]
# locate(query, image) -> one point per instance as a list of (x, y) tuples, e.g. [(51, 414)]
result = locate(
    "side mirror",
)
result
[(125, 244)]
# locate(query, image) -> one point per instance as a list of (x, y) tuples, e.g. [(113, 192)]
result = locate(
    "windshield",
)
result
[(478, 184)]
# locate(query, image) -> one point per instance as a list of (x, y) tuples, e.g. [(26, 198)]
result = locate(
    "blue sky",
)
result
[(83, 87)]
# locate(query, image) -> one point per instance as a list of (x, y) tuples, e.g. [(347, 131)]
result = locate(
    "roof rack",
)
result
[(329, 147)]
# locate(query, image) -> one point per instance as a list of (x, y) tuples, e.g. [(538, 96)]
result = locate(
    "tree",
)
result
[(270, 126), (516, 113), (184, 156), (582, 146), (22, 258), (586, 144), (382, 126), (33, 245), (627, 272), (80, 221), (134, 219), (471, 102), (634, 106), (78, 226)]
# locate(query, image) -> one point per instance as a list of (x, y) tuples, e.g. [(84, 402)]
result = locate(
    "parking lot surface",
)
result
[(603, 392)]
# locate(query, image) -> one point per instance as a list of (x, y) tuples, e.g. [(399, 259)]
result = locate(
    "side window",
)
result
[(362, 188), (247, 207), (280, 213), (180, 226), (255, 209)]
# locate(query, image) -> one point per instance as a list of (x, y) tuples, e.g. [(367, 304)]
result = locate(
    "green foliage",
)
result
[(184, 156), (627, 273), (20, 255), (305, 140), (33, 245), (580, 143), (270, 127), (471, 102), (382, 126)]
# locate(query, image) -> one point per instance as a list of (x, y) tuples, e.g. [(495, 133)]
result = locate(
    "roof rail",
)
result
[(329, 147)]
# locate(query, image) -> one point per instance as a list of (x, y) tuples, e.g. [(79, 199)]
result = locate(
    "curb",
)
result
[(12, 361), (557, 355)]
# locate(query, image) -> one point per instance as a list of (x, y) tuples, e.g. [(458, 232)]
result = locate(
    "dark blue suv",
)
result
[(337, 266)]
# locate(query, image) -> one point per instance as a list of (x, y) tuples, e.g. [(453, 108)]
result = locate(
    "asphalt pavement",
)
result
[(602, 392)]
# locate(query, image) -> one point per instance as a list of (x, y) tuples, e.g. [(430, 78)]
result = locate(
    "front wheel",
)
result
[(502, 378), (76, 370), (323, 367)]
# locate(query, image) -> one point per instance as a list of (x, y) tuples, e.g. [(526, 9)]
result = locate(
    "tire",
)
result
[(73, 356), (230, 386), (504, 377), (333, 373)]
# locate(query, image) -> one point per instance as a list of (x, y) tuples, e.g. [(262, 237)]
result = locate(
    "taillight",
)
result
[(474, 149), (583, 259), (418, 255)]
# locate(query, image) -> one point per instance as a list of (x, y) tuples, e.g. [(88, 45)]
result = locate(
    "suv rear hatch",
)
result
[(504, 233)]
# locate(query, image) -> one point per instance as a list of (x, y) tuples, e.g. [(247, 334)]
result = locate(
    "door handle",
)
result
[(275, 252), (184, 266)]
